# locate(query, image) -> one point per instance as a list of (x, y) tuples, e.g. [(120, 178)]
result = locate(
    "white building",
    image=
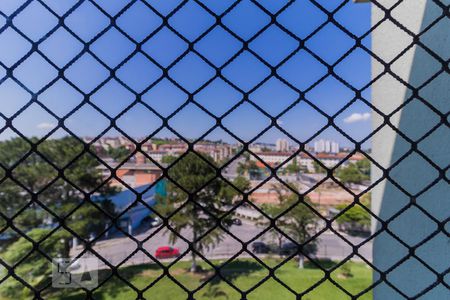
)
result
[(326, 146), (282, 145), (334, 147), (329, 160)]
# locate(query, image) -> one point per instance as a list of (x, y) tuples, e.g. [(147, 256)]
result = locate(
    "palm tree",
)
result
[(299, 222), (200, 207)]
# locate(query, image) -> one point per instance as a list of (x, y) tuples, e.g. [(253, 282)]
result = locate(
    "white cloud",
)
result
[(357, 117), (45, 125)]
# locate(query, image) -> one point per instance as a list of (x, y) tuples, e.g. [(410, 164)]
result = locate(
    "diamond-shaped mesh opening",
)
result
[(10, 89), (51, 98), (138, 113), (249, 268), (15, 40), (43, 121), (234, 149), (165, 97), (86, 21), (202, 73), (36, 31), (193, 14), (419, 286), (138, 73), (35, 72), (200, 121), (61, 53)]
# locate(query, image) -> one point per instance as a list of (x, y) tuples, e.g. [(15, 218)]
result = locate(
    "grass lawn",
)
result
[(244, 274)]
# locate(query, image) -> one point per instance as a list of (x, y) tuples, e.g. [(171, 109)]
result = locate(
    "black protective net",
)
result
[(58, 190)]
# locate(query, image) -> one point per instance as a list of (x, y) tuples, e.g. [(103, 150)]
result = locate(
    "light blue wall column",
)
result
[(414, 173)]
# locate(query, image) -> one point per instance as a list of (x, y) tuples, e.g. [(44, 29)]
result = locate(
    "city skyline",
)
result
[(280, 145)]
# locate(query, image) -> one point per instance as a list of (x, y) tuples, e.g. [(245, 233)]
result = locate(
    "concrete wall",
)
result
[(414, 173)]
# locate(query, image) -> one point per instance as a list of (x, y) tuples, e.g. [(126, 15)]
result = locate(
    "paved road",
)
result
[(230, 171), (116, 250)]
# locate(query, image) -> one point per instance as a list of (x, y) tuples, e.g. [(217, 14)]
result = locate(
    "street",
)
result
[(116, 250)]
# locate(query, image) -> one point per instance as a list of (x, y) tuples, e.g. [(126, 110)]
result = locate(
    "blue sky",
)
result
[(273, 45)]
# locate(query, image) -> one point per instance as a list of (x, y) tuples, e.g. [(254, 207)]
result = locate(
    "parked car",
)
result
[(260, 247), (155, 222), (167, 252), (237, 222), (230, 221), (289, 249)]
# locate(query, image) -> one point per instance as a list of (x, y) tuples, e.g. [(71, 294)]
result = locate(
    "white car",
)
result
[(156, 221)]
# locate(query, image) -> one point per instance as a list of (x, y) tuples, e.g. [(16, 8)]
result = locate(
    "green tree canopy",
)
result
[(247, 168), (118, 153), (59, 195), (355, 172), (357, 217), (318, 168), (293, 168), (242, 183), (205, 204), (168, 159)]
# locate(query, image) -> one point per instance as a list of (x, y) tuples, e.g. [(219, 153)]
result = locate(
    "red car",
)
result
[(167, 252)]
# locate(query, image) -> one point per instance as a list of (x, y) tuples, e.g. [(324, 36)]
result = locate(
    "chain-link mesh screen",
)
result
[(136, 133)]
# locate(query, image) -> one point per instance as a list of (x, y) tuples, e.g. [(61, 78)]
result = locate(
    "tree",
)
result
[(241, 169), (350, 174), (242, 183), (246, 156), (301, 225), (274, 210), (317, 167), (299, 222), (248, 168), (293, 168), (364, 168), (353, 173), (253, 169), (206, 204), (118, 153), (61, 196), (168, 159), (229, 192), (356, 218)]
